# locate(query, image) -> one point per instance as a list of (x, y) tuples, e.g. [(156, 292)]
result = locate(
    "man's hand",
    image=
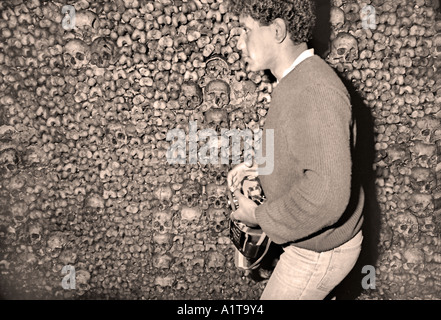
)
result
[(247, 210), (238, 173)]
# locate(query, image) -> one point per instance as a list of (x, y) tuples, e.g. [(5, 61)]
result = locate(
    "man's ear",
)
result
[(280, 30)]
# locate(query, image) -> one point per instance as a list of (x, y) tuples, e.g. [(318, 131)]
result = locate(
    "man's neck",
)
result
[(286, 57)]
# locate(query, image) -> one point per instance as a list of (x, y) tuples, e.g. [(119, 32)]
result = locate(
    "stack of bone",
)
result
[(394, 65), (84, 118), (85, 112)]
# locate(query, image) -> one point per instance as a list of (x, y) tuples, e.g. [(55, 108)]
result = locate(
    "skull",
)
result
[(217, 94), (162, 261), (196, 264), (437, 46), (17, 182), (27, 258), (217, 67), (164, 281), (421, 149), (425, 129), (191, 192), (218, 219), (217, 195), (103, 52), (34, 155), (436, 136), (82, 279), (164, 240), (236, 119), (344, 48), (76, 54), (87, 24), (94, 200), (413, 258), (191, 95), (218, 174), (397, 153), (427, 224), (68, 256), (421, 204), (394, 257), (164, 194), (19, 212), (243, 89), (337, 17), (190, 215), (216, 119), (119, 138), (8, 162), (407, 225), (421, 179), (162, 222), (338, 3), (250, 94), (216, 260), (35, 231), (55, 244), (386, 236), (198, 117)]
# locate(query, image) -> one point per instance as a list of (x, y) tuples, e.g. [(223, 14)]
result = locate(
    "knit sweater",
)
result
[(313, 200)]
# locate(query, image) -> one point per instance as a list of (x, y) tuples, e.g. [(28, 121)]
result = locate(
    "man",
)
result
[(314, 202)]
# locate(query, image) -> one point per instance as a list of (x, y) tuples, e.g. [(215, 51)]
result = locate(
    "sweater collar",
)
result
[(302, 57)]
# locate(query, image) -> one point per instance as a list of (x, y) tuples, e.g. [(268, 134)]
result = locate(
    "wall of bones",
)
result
[(86, 103)]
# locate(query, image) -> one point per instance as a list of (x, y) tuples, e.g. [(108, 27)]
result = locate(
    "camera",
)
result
[(251, 242)]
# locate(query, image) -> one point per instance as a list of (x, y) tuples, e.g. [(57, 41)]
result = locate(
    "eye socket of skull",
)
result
[(35, 236), (79, 56), (211, 96), (341, 51), (195, 99)]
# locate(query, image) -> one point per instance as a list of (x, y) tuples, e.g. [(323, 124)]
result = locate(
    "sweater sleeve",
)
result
[(319, 137)]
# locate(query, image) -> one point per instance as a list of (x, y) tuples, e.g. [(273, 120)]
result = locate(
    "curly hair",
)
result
[(299, 15)]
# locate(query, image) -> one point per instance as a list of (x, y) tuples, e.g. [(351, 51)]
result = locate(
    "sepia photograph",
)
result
[(217, 154)]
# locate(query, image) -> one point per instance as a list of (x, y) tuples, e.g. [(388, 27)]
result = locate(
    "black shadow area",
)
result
[(350, 288), (363, 160)]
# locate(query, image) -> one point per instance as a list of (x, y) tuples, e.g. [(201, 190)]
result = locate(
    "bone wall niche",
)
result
[(84, 117)]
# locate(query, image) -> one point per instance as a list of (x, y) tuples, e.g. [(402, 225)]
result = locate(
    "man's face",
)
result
[(256, 44)]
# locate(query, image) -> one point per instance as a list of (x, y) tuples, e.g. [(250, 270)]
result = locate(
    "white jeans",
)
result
[(303, 274)]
